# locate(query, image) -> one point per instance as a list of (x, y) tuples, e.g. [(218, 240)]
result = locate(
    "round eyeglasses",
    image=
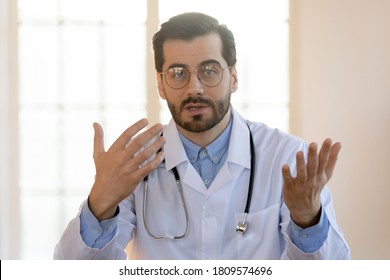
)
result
[(209, 75)]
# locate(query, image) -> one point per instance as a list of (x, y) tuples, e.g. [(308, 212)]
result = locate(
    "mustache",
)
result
[(195, 100)]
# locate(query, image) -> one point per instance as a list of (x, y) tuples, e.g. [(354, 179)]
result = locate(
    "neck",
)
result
[(203, 139)]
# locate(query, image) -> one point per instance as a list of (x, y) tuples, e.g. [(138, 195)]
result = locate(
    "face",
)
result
[(196, 107)]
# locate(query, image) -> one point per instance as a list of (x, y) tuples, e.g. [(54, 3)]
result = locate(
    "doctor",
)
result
[(209, 185)]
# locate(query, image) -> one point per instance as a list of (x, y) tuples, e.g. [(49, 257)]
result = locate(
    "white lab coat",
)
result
[(215, 212)]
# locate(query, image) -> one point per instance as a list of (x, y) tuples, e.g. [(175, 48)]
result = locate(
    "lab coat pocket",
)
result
[(261, 239)]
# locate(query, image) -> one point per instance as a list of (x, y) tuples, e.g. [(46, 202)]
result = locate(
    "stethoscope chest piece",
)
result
[(242, 226)]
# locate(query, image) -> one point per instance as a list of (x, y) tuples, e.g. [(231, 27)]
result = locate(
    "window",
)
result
[(82, 61)]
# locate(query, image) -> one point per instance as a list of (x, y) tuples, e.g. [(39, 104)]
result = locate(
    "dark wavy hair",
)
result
[(188, 26)]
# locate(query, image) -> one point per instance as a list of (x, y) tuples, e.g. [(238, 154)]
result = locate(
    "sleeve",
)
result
[(93, 240), (96, 234), (310, 239), (332, 247)]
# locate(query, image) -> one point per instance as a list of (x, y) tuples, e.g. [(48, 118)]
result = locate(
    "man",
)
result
[(218, 186)]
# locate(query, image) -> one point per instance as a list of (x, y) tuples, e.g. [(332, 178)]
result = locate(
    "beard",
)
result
[(200, 123)]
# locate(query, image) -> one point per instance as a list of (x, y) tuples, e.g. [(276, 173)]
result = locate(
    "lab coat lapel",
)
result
[(239, 147), (175, 155), (238, 153)]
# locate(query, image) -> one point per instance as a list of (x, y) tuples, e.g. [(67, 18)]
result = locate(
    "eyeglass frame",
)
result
[(194, 71)]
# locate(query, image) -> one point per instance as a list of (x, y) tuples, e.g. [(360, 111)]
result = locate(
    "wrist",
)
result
[(101, 209), (305, 220)]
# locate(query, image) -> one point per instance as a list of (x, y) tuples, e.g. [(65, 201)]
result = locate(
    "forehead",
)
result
[(192, 53)]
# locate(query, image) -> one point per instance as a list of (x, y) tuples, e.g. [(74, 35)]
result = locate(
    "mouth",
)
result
[(196, 108)]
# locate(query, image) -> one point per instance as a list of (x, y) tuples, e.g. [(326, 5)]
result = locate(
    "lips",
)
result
[(195, 106), (195, 109)]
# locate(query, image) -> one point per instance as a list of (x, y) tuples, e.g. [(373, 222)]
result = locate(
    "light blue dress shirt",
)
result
[(207, 162)]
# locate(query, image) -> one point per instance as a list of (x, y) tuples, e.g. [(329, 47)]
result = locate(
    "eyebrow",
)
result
[(210, 61), (206, 62)]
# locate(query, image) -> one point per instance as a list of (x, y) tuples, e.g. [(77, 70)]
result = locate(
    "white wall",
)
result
[(340, 87), (9, 195)]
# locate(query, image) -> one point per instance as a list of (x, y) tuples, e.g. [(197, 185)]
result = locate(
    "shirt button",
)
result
[(206, 182), (304, 235), (204, 153), (215, 159)]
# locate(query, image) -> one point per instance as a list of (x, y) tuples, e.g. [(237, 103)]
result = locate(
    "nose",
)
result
[(194, 86)]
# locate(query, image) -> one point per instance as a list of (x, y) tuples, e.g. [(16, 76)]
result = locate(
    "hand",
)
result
[(120, 169), (302, 193)]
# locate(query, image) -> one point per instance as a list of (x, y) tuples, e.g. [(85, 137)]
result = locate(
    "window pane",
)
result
[(124, 65), (39, 146), (40, 10), (39, 71), (81, 10), (124, 11), (40, 225), (81, 60), (108, 11), (77, 149)]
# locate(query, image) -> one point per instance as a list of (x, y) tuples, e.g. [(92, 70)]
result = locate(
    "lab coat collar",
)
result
[(173, 149), (239, 147)]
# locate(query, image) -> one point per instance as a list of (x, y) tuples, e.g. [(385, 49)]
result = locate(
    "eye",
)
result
[(177, 72), (209, 70)]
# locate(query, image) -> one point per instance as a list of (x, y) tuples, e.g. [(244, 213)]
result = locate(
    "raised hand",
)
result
[(302, 193), (120, 169)]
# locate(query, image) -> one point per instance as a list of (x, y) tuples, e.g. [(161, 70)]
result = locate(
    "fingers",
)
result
[(287, 177), (302, 172), (328, 157), (333, 155), (149, 152), (312, 161), (126, 147), (321, 164), (140, 141), (140, 156), (128, 134), (151, 165), (324, 155), (98, 141)]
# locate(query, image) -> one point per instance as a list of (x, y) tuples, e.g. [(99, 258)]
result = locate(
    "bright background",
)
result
[(85, 61), (315, 68)]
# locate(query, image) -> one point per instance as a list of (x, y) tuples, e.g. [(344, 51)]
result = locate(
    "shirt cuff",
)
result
[(96, 234), (312, 238)]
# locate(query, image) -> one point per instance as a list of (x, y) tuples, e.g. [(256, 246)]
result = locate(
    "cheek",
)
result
[(172, 98)]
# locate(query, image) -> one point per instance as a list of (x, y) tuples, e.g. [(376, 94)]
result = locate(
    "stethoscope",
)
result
[(241, 227)]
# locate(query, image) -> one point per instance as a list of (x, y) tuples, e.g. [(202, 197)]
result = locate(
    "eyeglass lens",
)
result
[(209, 75)]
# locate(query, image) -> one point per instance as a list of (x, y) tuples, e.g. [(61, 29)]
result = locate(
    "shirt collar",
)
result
[(175, 153), (215, 149)]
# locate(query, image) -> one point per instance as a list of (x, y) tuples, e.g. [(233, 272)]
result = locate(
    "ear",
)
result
[(234, 78), (160, 85)]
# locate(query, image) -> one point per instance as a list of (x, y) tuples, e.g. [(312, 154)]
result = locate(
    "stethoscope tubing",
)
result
[(241, 227)]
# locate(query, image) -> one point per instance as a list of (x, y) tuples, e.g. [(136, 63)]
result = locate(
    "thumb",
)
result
[(98, 142)]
